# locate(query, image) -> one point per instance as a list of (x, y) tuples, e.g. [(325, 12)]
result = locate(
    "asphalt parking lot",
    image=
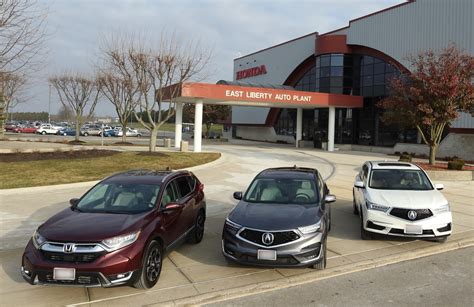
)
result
[(197, 271)]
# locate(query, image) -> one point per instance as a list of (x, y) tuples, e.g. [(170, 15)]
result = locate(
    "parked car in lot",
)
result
[(399, 199), (130, 132), (91, 130), (67, 131), (118, 232), (109, 132), (25, 129), (282, 220), (47, 129)]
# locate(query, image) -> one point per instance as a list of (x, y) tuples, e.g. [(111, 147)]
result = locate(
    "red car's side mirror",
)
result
[(172, 206)]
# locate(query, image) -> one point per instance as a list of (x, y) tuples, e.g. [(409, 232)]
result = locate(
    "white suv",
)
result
[(47, 129), (398, 198)]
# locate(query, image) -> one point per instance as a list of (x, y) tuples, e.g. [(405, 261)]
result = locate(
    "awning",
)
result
[(238, 95)]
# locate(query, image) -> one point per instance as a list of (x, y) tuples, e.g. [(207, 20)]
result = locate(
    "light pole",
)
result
[(49, 106)]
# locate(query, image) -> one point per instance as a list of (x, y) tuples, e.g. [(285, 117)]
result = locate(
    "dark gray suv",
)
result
[(282, 220)]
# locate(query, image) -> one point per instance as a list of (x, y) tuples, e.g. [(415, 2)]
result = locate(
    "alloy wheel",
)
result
[(153, 265)]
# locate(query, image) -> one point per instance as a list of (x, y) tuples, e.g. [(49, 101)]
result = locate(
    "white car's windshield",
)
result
[(397, 179), (114, 197), (283, 191)]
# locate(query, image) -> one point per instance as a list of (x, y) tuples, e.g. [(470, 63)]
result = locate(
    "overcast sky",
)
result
[(231, 28)]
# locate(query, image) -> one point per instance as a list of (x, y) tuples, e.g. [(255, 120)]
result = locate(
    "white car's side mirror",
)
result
[(439, 186), (359, 184)]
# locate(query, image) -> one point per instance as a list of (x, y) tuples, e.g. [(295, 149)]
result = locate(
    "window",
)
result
[(169, 195), (282, 191), (183, 186)]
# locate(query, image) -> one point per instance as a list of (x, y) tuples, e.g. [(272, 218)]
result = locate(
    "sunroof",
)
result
[(394, 164)]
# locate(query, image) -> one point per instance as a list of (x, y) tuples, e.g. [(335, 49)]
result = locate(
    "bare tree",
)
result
[(22, 32), (77, 92), (119, 84), (147, 70), (11, 85)]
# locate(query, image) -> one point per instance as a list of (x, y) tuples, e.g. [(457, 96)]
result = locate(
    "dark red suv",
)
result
[(118, 232)]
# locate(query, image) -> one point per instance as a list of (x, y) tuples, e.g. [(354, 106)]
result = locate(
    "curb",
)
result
[(219, 296)]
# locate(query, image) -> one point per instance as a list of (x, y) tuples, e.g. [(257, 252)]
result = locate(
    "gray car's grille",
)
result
[(279, 237), (403, 213)]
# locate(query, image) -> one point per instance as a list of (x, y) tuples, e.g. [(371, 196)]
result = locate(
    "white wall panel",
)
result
[(417, 26)]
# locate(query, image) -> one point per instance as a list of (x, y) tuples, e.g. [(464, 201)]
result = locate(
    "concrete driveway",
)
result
[(197, 271)]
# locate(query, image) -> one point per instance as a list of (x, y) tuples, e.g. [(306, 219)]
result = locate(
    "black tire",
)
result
[(151, 267), (354, 205), (196, 235), (364, 234), (330, 221), (321, 265), (86, 134), (43, 132)]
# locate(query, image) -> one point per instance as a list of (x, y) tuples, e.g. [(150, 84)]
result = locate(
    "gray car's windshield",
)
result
[(399, 179), (282, 191), (123, 198)]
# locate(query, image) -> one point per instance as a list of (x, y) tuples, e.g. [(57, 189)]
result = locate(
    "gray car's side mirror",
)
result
[(330, 198), (439, 186), (73, 202), (238, 195), (359, 184)]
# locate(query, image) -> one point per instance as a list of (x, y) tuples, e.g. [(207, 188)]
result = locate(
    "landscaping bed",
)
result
[(49, 168), (441, 167)]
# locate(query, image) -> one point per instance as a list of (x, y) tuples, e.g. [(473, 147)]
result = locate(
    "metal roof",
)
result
[(262, 85)]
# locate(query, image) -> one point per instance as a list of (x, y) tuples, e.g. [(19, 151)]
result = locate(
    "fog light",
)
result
[(27, 272), (120, 275)]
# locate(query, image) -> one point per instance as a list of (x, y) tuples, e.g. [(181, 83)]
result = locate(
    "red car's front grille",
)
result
[(75, 257)]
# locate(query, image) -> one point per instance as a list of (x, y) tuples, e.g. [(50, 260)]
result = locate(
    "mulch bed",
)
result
[(123, 143), (441, 167), (73, 154)]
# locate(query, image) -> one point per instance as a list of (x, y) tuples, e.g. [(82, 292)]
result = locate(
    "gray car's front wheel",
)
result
[(321, 265)]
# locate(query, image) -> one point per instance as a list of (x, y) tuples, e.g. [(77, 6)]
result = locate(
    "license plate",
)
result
[(64, 274), (265, 254), (413, 229)]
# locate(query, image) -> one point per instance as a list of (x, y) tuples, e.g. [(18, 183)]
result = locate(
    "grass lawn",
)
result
[(57, 170)]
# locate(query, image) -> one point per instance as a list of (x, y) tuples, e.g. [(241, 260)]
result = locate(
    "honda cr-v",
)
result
[(118, 232)]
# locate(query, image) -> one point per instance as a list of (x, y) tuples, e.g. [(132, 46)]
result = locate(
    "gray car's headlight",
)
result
[(118, 242), (38, 239), (376, 207), (311, 228), (443, 208), (231, 226)]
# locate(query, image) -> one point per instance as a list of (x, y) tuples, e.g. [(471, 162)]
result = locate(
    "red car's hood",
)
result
[(74, 226)]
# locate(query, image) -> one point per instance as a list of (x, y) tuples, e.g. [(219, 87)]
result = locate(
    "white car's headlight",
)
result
[(443, 208), (38, 239), (118, 242), (376, 207), (311, 228)]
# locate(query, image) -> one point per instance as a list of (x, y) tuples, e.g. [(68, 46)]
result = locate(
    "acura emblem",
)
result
[(412, 215), (69, 248), (267, 238)]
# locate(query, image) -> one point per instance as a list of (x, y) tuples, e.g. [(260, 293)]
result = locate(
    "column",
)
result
[(178, 129), (299, 125), (197, 125), (331, 128)]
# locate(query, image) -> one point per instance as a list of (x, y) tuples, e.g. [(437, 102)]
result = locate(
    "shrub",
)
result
[(405, 157), (456, 164)]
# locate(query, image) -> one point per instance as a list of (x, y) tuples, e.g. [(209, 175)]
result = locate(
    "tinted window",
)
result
[(282, 191), (183, 186), (396, 179), (169, 195), (116, 197)]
